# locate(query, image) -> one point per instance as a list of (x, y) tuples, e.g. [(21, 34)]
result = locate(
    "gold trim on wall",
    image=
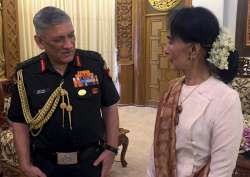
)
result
[(11, 37), (164, 5)]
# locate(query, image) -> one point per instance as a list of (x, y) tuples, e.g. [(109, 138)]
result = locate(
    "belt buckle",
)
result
[(66, 158)]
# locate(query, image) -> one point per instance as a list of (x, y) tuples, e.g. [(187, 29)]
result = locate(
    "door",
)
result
[(158, 71)]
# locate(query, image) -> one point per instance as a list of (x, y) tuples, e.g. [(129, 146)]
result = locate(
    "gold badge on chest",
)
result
[(82, 92), (163, 5)]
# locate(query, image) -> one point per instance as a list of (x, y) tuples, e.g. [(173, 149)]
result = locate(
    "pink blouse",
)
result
[(210, 125)]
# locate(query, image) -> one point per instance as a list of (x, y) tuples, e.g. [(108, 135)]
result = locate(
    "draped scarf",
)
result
[(165, 137)]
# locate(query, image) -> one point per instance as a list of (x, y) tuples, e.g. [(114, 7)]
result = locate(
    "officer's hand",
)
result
[(107, 159), (33, 171)]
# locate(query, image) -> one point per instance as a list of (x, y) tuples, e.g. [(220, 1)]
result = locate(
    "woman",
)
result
[(199, 121)]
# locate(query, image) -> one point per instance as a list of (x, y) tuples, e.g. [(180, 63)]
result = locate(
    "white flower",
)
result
[(220, 51)]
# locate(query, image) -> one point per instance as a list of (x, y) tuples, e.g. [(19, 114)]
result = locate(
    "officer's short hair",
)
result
[(48, 17)]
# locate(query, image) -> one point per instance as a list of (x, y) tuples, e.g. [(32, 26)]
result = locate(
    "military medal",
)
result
[(82, 92), (85, 78), (94, 90)]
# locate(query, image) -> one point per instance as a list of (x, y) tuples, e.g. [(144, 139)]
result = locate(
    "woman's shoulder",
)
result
[(219, 90)]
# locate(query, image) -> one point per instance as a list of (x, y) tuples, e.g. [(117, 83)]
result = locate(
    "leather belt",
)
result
[(68, 158)]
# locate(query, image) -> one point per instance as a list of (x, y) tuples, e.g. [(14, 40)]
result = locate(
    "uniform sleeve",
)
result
[(226, 137), (15, 113), (110, 95)]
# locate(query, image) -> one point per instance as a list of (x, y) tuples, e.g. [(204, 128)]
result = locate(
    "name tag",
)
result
[(67, 158), (41, 91)]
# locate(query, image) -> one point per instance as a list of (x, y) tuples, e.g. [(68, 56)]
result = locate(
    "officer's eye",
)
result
[(71, 36), (58, 40)]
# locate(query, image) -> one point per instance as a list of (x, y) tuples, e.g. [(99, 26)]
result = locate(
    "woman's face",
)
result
[(178, 53)]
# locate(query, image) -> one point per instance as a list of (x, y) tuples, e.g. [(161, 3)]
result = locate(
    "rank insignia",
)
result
[(82, 92), (85, 78)]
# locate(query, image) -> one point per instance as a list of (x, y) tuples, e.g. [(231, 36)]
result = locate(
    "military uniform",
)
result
[(89, 88)]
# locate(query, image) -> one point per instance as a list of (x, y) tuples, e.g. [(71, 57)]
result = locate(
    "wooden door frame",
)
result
[(138, 49), (138, 46), (242, 28)]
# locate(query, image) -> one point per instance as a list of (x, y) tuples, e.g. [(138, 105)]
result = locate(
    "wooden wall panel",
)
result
[(127, 83), (147, 86), (124, 44), (248, 25), (243, 28), (139, 49), (11, 38), (158, 71)]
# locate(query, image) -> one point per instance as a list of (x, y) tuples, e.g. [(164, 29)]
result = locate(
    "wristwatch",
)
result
[(111, 148), (163, 5)]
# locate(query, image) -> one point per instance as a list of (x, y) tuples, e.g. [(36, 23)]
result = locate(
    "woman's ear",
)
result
[(39, 41), (196, 50)]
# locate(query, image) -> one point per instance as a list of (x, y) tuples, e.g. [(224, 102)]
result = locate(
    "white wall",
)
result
[(230, 14), (224, 10), (216, 6)]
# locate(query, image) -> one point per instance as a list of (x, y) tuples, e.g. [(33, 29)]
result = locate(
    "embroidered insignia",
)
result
[(85, 78), (42, 63), (82, 92)]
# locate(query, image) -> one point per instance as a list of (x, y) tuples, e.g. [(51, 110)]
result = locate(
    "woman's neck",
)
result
[(197, 75)]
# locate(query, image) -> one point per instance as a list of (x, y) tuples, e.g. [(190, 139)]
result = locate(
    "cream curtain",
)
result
[(2, 60), (94, 22)]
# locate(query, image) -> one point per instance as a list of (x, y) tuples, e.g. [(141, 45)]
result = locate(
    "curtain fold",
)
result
[(93, 20)]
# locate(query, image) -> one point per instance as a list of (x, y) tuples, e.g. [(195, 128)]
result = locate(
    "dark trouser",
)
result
[(84, 168)]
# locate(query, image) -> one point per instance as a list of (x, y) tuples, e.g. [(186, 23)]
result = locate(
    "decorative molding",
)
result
[(248, 25), (164, 5), (125, 56), (11, 38), (124, 29)]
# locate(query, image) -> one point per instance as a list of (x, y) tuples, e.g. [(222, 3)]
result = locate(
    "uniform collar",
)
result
[(46, 65)]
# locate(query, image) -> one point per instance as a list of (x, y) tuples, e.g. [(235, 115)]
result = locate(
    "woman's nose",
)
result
[(166, 51)]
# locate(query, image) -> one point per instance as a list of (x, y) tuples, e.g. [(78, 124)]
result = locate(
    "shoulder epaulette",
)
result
[(26, 63), (91, 54)]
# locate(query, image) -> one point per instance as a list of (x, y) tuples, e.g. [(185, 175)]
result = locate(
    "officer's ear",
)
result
[(39, 42)]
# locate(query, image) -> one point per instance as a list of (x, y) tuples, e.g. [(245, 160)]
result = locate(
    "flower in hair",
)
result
[(220, 50)]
